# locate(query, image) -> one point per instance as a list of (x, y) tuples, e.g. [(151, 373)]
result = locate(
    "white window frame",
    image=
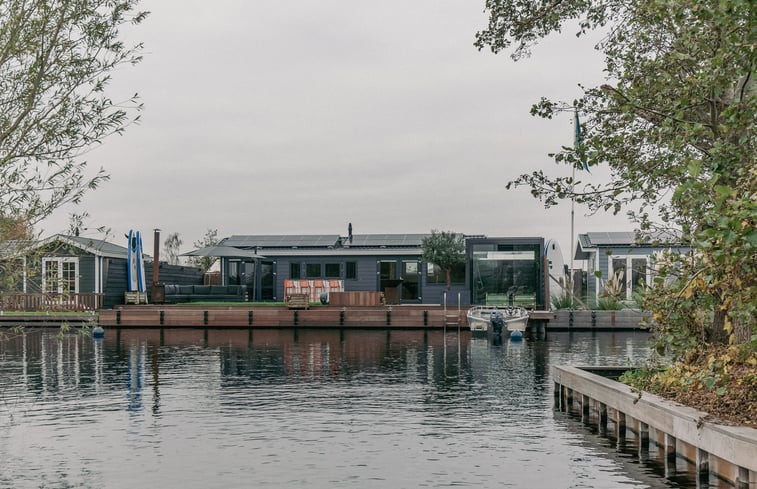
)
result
[(629, 276), (60, 260)]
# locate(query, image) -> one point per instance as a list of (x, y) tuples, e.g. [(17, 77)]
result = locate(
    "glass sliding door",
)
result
[(632, 272), (267, 282), (620, 273), (248, 272), (411, 283), (232, 273)]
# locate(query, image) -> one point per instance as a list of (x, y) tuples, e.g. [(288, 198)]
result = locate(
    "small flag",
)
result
[(578, 141)]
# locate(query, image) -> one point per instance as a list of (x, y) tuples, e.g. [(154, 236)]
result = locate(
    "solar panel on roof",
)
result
[(612, 238), (282, 241), (377, 240)]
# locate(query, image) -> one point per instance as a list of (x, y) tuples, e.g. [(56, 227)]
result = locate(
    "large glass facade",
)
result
[(506, 273)]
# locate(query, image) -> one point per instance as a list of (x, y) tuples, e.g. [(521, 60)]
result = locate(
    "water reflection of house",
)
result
[(505, 269), (624, 255)]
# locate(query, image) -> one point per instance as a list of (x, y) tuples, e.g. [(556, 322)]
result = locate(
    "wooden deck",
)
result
[(51, 320), (270, 317)]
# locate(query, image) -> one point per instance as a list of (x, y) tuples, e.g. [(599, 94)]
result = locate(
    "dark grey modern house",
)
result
[(501, 268)]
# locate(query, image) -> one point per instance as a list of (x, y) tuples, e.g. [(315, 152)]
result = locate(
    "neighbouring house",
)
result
[(621, 253), (501, 268), (74, 272)]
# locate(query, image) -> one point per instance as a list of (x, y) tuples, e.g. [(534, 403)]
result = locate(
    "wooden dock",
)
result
[(406, 316)]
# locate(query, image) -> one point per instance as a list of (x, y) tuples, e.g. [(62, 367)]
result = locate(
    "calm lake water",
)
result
[(305, 408)]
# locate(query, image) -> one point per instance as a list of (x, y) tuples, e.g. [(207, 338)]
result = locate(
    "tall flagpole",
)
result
[(576, 137), (572, 222)]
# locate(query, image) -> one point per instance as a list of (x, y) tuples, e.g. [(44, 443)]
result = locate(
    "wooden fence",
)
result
[(50, 302)]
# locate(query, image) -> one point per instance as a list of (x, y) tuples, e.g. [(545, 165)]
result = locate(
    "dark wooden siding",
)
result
[(115, 281), (366, 271), (367, 277), (86, 273)]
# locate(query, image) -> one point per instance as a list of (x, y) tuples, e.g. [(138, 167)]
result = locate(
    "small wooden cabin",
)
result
[(607, 253), (66, 272)]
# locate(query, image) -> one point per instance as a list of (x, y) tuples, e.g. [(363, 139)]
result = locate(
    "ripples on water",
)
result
[(284, 408)]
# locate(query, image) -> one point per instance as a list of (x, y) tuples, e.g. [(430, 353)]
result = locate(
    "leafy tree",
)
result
[(445, 249), (171, 247), (675, 124), (209, 239), (56, 59)]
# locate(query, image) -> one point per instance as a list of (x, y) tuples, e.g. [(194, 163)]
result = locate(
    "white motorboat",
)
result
[(514, 318)]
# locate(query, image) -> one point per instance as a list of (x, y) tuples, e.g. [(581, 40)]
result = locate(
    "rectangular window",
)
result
[(332, 270), (51, 276), (313, 270), (294, 271), (350, 270), (435, 275), (68, 277)]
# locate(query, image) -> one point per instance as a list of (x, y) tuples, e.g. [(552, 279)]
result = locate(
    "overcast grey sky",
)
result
[(298, 117)]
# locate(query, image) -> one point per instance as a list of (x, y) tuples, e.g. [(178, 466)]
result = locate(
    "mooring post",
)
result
[(670, 447), (585, 409), (703, 464), (643, 438), (620, 425), (742, 481), (602, 417), (557, 396), (670, 455)]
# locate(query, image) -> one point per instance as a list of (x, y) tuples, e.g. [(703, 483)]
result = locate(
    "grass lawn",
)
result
[(245, 304)]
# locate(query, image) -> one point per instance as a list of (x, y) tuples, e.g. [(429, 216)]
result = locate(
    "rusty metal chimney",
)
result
[(156, 257), (158, 291)]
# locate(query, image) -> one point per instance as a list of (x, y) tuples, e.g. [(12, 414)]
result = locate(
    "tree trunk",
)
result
[(742, 331), (448, 271), (717, 333)]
